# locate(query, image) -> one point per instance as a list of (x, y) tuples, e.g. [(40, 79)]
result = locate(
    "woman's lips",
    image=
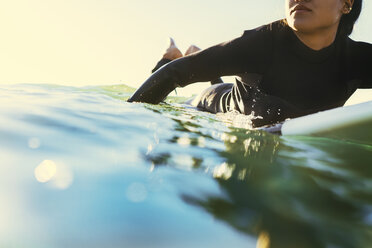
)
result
[(300, 9)]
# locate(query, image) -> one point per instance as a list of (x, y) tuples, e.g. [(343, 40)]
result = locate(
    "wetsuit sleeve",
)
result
[(244, 54), (362, 64)]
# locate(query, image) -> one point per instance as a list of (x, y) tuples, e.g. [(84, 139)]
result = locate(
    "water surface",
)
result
[(81, 167)]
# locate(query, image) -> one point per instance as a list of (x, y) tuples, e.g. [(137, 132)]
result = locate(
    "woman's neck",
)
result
[(318, 40)]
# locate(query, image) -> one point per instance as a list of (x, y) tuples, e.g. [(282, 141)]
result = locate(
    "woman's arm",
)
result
[(230, 58), (157, 87)]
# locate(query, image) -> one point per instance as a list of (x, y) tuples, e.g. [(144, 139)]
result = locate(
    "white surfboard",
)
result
[(352, 123)]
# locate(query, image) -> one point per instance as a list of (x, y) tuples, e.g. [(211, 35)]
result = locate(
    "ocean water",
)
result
[(81, 167)]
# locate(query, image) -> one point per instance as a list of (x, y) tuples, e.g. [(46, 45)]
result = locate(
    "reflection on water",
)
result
[(294, 192), (83, 168), (263, 240), (286, 191)]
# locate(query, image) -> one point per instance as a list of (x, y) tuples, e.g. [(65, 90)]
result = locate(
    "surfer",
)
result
[(302, 64)]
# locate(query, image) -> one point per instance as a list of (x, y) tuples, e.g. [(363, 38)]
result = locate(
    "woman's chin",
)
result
[(300, 25)]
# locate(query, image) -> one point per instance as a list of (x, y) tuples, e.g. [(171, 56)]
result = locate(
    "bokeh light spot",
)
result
[(45, 171), (34, 143), (64, 177)]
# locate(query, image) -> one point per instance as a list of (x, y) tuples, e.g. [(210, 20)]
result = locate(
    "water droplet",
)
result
[(149, 148)]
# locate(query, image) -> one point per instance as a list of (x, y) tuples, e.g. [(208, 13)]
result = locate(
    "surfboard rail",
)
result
[(352, 122)]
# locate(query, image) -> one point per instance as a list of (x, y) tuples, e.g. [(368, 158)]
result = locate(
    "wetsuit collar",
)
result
[(307, 53)]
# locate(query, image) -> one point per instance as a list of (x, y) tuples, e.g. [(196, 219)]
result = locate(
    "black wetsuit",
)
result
[(280, 77)]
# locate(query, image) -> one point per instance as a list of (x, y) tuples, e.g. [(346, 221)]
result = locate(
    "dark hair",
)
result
[(348, 20)]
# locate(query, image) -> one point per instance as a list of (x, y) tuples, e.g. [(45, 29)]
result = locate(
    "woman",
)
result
[(289, 68)]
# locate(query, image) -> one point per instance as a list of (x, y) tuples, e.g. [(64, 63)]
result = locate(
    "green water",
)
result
[(139, 175)]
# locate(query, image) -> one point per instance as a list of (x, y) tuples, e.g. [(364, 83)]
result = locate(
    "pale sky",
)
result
[(99, 42)]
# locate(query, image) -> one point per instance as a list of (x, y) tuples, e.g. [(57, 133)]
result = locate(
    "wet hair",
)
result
[(348, 20)]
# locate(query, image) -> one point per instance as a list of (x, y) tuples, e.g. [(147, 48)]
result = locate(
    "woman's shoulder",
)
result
[(359, 60), (359, 48)]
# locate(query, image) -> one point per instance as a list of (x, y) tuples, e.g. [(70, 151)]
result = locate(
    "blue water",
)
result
[(81, 167)]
